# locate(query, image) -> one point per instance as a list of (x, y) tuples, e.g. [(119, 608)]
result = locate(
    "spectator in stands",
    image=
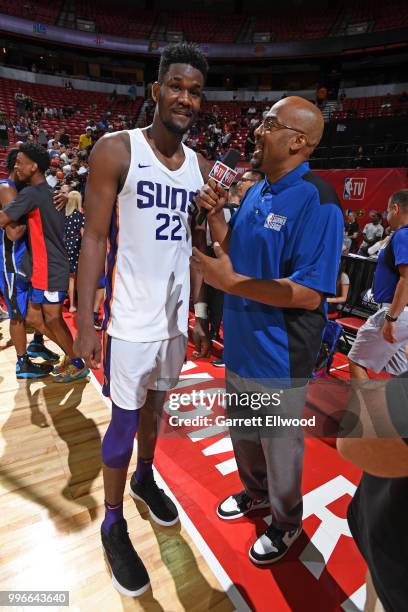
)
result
[(251, 110), (63, 154), (42, 137), (321, 96), (216, 113), (361, 160), (74, 223), (54, 151), (352, 230), (254, 122), (51, 174), (403, 97), (85, 140), (381, 341), (64, 139), (103, 124), (20, 102), (378, 512), (4, 128), (53, 141), (249, 144), (92, 125), (342, 289), (226, 138), (372, 233), (21, 130), (132, 91), (29, 105)]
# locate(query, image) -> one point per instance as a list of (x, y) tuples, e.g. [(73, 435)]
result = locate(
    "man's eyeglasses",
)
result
[(271, 123), (246, 180)]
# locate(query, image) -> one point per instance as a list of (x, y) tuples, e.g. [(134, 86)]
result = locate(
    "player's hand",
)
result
[(389, 332), (60, 200), (87, 346), (201, 339), (212, 197)]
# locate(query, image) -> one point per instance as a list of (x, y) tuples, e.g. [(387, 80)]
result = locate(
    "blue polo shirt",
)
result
[(386, 275), (293, 229)]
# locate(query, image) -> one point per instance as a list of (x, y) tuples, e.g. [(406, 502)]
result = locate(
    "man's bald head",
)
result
[(301, 114), (287, 137)]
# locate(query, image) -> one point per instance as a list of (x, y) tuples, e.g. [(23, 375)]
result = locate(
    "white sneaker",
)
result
[(238, 505), (272, 545)]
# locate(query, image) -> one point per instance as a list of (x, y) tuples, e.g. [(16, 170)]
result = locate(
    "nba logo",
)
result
[(218, 171), (223, 174), (354, 188)]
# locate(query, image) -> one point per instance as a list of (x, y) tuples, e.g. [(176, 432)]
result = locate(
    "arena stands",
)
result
[(207, 27), (283, 28), (375, 106), (124, 22), (204, 27), (40, 10), (232, 120), (85, 106)]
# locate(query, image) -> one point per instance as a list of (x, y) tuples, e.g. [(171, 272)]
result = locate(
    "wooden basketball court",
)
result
[(52, 505)]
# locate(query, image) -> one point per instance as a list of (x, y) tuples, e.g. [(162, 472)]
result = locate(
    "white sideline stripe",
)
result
[(345, 365), (225, 581)]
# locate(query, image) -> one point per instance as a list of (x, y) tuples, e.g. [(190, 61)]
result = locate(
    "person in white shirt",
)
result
[(372, 233), (52, 178)]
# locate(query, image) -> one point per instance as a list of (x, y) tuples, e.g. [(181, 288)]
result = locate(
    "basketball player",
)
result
[(15, 287), (140, 197), (50, 267)]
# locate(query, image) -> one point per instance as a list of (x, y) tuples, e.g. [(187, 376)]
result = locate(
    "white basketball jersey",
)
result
[(147, 267)]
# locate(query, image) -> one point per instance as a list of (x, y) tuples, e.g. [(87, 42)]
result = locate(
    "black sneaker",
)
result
[(37, 349), (161, 508), (27, 369), (129, 575), (272, 545), (238, 505), (218, 363)]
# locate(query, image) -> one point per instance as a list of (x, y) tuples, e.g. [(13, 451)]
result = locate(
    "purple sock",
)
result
[(144, 468), (113, 514)]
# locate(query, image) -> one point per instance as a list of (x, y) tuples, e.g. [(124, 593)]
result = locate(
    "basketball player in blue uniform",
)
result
[(139, 199), (15, 286)]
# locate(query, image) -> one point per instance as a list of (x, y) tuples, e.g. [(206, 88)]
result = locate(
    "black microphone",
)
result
[(223, 172)]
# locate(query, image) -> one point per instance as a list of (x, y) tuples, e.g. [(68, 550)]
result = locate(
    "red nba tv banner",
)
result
[(366, 189), (361, 190)]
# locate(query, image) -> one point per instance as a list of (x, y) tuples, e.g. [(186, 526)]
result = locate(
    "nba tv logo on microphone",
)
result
[(223, 174)]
